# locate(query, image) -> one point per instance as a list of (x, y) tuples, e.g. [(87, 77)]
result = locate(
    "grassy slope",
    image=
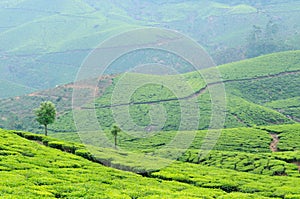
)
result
[(11, 108), (277, 187), (29, 170), (9, 89), (288, 135), (44, 44), (241, 149), (249, 84), (289, 107), (251, 88)]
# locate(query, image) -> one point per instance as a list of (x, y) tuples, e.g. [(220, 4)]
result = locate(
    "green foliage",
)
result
[(50, 173), (250, 140), (264, 40), (247, 83), (31, 170), (252, 114), (114, 131), (46, 114), (288, 135), (237, 139), (265, 65), (41, 35), (264, 91), (284, 103), (258, 163), (231, 181), (242, 79), (289, 107), (260, 91)]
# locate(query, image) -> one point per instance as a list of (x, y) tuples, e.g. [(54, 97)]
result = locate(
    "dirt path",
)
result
[(273, 145), (199, 92), (240, 120)]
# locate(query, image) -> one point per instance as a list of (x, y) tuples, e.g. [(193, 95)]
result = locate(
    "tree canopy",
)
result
[(45, 114), (114, 131)]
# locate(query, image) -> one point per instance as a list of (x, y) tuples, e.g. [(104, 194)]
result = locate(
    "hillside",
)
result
[(151, 99), (31, 170), (44, 44), (251, 87), (12, 108)]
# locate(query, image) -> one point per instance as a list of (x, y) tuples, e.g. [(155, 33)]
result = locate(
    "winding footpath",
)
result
[(199, 92), (273, 145), (274, 148)]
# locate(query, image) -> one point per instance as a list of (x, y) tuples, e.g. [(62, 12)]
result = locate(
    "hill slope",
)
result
[(31, 170), (251, 86), (44, 44), (248, 84)]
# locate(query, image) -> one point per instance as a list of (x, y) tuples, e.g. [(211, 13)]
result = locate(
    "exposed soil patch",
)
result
[(240, 120), (273, 145)]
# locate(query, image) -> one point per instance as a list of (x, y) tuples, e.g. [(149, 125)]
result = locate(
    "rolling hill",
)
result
[(245, 107), (35, 166), (251, 87), (44, 44), (30, 170), (230, 131)]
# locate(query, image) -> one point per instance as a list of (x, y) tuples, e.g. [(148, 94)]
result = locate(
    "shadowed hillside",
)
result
[(44, 44), (251, 87)]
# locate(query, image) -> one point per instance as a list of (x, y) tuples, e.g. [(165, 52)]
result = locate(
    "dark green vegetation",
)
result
[(251, 90), (287, 135), (231, 181), (17, 113), (40, 48), (30, 170), (256, 156), (114, 131), (251, 87), (258, 163), (46, 114)]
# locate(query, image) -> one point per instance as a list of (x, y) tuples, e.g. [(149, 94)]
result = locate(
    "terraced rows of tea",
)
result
[(256, 155), (33, 165), (251, 88)]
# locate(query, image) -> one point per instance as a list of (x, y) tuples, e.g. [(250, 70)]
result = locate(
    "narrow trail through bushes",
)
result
[(199, 92), (274, 148), (273, 145)]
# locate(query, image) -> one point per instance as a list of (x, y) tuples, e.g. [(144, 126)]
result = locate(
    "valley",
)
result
[(208, 108), (255, 156), (46, 39), (256, 91)]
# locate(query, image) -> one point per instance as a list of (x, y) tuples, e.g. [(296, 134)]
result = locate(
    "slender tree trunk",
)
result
[(46, 130), (115, 142)]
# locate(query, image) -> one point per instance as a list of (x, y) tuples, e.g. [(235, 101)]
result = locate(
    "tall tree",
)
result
[(114, 131), (45, 114)]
